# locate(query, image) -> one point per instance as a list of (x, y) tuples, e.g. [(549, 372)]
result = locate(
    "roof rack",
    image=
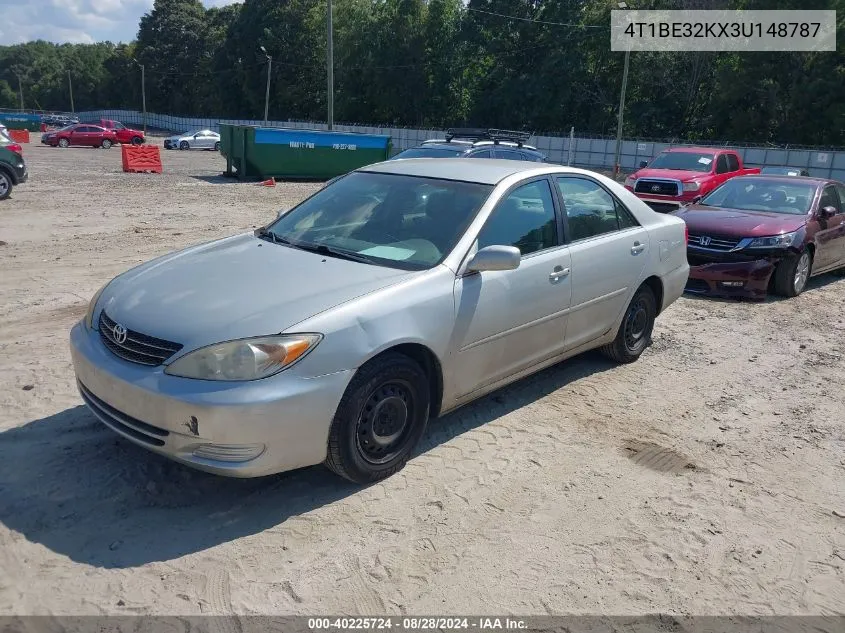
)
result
[(488, 134)]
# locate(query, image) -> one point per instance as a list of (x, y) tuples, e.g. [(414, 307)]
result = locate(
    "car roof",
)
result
[(488, 171), (784, 178), (697, 150), (468, 145)]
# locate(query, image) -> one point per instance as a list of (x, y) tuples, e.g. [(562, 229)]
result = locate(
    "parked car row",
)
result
[(105, 134)]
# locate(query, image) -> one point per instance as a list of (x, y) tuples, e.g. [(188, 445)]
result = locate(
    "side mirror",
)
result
[(827, 212), (495, 258), (643, 163)]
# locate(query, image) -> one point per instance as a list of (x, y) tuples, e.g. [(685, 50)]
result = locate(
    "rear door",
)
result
[(830, 240), (609, 250)]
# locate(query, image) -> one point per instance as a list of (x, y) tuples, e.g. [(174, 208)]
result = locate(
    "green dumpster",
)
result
[(259, 153), (21, 121)]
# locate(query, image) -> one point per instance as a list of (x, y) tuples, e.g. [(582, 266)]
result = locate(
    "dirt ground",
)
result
[(707, 478)]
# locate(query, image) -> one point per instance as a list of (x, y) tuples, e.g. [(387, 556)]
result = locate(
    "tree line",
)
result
[(541, 65)]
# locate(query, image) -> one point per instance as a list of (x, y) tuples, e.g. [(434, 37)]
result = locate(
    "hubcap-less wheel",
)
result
[(382, 429), (802, 272), (5, 185), (184, 145), (217, 147), (636, 324)]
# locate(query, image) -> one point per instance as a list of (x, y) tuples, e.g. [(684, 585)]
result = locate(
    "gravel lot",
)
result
[(707, 478)]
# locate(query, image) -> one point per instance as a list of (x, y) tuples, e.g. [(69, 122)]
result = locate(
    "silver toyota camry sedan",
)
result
[(399, 292)]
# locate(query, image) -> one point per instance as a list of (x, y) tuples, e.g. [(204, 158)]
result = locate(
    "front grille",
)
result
[(662, 207), (137, 348), (697, 285), (656, 187), (713, 243), (117, 421)]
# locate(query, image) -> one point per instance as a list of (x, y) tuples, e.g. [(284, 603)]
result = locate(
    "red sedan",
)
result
[(82, 134)]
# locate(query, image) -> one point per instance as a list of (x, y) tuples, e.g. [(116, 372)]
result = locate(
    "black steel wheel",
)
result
[(634, 333), (379, 420)]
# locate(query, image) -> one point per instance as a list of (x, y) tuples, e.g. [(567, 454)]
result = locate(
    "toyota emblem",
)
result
[(119, 334)]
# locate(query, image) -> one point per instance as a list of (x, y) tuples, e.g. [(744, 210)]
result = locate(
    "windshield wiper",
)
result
[(335, 252), (266, 234)]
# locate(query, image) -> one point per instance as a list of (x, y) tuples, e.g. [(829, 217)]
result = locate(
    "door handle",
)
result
[(637, 248), (558, 273)]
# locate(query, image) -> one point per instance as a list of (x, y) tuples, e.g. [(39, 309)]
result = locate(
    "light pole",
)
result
[(70, 88), (143, 93), (267, 94), (621, 5), (330, 66)]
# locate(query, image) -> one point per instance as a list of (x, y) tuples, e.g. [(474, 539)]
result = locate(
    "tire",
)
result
[(6, 185), (184, 145), (106, 144), (137, 140), (793, 273), (217, 146), (64, 143), (392, 393), (634, 333)]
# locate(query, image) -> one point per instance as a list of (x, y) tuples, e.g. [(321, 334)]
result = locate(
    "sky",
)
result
[(76, 21)]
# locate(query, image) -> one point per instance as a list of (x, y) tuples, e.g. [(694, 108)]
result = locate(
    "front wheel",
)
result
[(5, 185), (634, 333), (792, 274), (137, 140), (184, 145), (106, 143), (64, 143), (379, 420)]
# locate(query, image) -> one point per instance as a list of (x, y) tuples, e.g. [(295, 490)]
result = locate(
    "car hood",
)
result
[(672, 174), (738, 223), (234, 288)]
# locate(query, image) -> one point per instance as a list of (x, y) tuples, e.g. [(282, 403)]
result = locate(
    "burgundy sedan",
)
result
[(756, 233), (80, 134)]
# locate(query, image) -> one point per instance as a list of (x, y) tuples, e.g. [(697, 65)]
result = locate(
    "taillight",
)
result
[(14, 147), (686, 233)]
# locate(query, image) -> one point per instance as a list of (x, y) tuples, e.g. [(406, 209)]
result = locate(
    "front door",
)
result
[(831, 236), (507, 321), (609, 250)]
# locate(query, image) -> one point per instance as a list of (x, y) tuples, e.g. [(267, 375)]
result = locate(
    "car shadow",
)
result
[(219, 179), (71, 485)]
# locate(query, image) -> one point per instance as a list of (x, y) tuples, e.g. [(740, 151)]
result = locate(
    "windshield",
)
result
[(430, 152), (686, 161), (398, 221), (774, 196)]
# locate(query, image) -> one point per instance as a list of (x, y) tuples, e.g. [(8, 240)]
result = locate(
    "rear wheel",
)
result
[(184, 145), (217, 146), (792, 274), (5, 185), (106, 143), (63, 143), (379, 420), (634, 333)]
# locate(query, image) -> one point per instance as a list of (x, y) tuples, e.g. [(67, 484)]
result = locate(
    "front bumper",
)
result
[(287, 414), (740, 280)]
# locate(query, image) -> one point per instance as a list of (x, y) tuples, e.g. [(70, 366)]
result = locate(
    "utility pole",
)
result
[(143, 93), (70, 88), (20, 90), (621, 5), (267, 95), (330, 66)]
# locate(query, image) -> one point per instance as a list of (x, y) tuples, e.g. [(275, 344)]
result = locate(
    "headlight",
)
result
[(629, 181), (246, 359), (691, 186), (775, 241), (92, 305)]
